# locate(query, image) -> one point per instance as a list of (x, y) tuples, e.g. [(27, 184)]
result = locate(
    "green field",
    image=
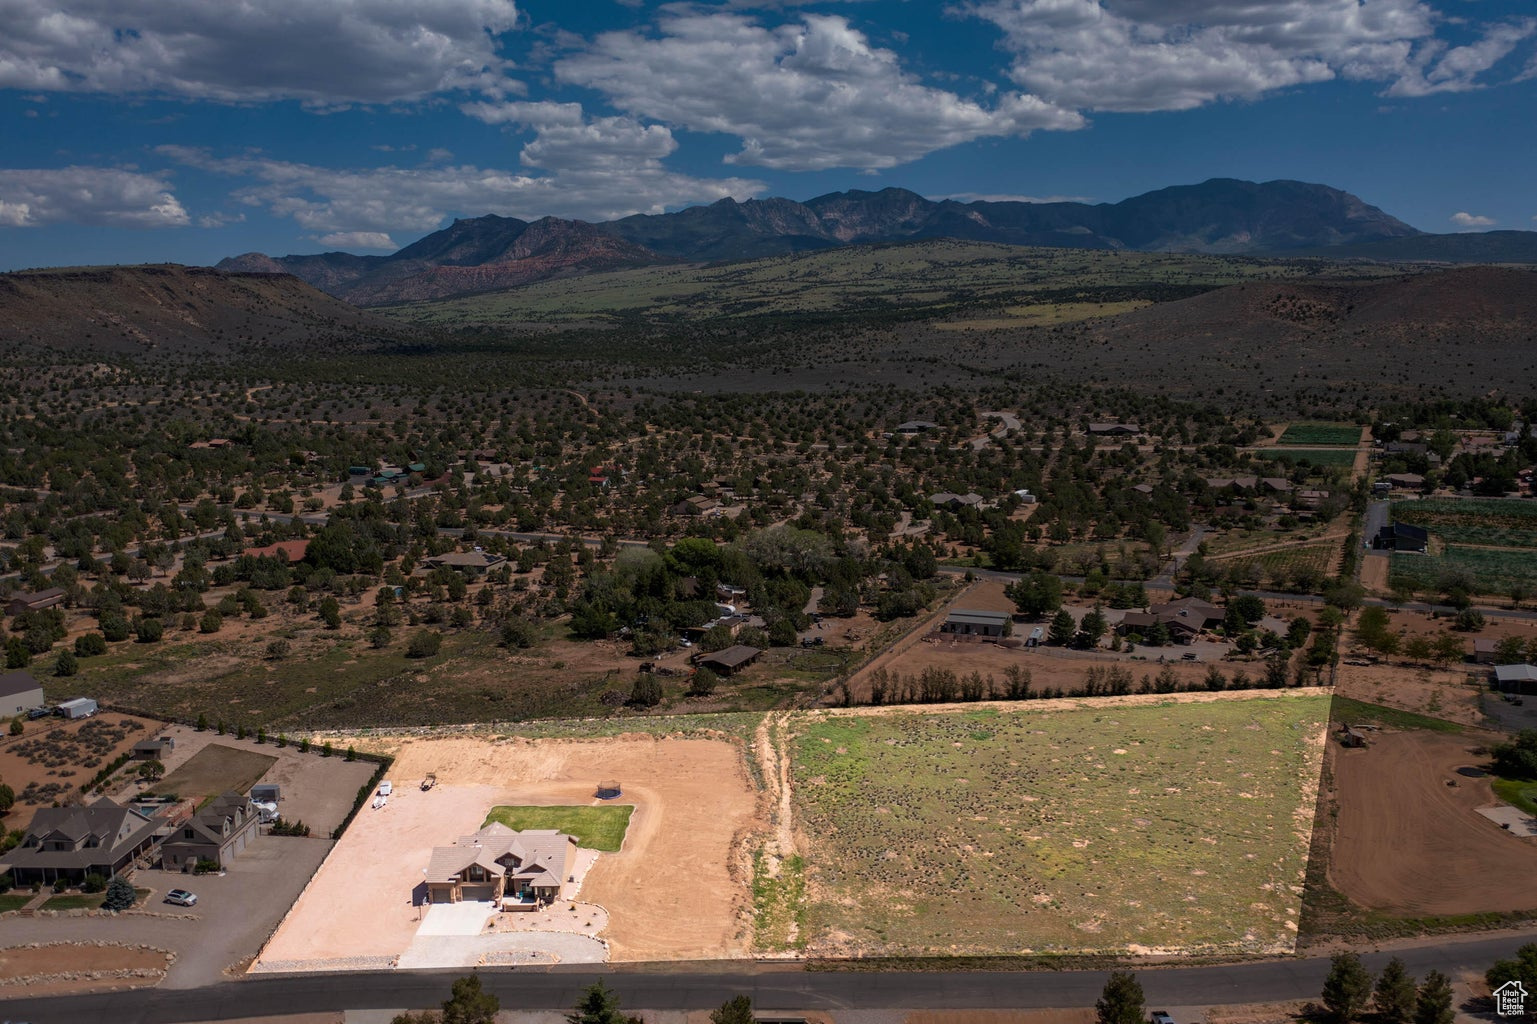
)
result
[(75, 901), (1491, 570), (1314, 456), (1487, 522), (14, 900), (1095, 829), (1321, 433), (595, 828)]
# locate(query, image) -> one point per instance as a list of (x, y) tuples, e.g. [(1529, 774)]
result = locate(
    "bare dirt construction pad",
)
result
[(1177, 825), (1407, 842), (671, 892)]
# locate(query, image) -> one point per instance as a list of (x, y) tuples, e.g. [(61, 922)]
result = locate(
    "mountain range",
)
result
[(1222, 215)]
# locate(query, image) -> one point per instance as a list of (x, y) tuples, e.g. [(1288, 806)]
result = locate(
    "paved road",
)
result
[(693, 986)]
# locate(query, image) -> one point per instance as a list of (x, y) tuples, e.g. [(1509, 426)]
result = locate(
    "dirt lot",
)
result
[(18, 770), (1410, 843), (1439, 693), (42, 963), (693, 802)]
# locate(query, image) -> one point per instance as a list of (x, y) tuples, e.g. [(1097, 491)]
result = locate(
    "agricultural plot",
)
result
[(216, 769), (1178, 826), (1321, 434), (1489, 570), (1313, 456), (1487, 522), (1283, 567)]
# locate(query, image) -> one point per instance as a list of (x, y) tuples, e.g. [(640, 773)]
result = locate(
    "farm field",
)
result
[(1282, 567), (1490, 522), (1304, 434), (1315, 456), (1490, 570), (596, 828), (1113, 827)]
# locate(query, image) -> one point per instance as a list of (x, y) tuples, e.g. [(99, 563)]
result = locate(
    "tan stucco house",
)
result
[(497, 863)]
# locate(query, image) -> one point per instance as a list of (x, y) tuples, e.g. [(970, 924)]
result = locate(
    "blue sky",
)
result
[(188, 130)]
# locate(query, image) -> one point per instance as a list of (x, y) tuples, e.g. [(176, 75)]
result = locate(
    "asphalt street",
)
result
[(772, 987)]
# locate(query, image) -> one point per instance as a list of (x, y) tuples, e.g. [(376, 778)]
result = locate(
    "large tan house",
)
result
[(497, 863)]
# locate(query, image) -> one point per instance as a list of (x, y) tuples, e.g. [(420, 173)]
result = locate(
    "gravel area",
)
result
[(446, 951)]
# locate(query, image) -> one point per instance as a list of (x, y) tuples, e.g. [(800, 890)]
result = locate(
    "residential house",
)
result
[(19, 693), (1406, 481), (471, 563), (965, 622), (944, 499), (1114, 429), (497, 862), (216, 833), (916, 427), (729, 661), (1232, 483), (697, 505), (1184, 619), (1276, 485), (22, 601), (1202, 613), (70, 843), (1309, 499)]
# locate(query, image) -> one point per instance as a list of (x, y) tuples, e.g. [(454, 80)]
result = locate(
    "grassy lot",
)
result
[(215, 769), (779, 904), (1164, 826), (14, 900), (75, 901), (1321, 433), (1313, 456), (1492, 570), (596, 828), (1358, 712)]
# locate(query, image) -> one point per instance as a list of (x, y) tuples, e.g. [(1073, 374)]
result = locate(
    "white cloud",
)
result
[(1456, 69), (803, 96), (1146, 55), (1471, 220), (101, 196), (358, 240), (321, 51), (599, 171)]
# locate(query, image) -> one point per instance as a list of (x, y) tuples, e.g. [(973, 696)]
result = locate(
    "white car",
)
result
[(386, 788), (181, 897)]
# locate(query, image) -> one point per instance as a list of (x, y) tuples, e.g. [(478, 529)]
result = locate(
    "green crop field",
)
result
[(1179, 826), (1492, 570), (1321, 433), (1487, 522), (1315, 456), (595, 828)]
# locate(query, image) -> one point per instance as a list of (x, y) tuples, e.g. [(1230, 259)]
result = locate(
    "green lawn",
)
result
[(75, 901), (1089, 829), (1521, 793), (14, 900), (1492, 570), (595, 828)]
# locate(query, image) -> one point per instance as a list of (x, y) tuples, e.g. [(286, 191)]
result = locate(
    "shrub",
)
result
[(278, 649), (647, 691), (93, 883), (148, 631), (205, 866), (425, 644), (17, 726), (212, 622), (90, 645), (66, 664)]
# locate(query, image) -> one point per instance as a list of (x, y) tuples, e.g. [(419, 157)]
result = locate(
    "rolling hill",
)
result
[(174, 309)]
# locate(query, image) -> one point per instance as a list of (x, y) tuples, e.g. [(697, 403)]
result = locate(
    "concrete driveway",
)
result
[(234, 915)]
